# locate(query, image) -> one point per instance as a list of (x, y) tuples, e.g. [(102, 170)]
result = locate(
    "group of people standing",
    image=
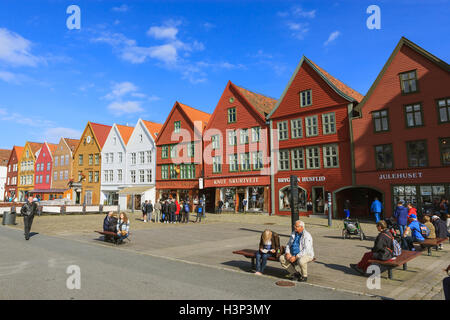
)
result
[(171, 211)]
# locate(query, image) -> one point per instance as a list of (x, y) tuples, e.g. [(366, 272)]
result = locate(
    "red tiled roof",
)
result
[(194, 114), (153, 127), (125, 132), (35, 146), (4, 157), (72, 143), (52, 147), (263, 104), (101, 132), (19, 151), (339, 84)]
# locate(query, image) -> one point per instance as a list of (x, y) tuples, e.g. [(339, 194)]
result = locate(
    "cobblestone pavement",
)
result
[(211, 243)]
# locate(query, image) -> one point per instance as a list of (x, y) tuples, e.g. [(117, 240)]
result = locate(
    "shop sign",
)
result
[(200, 183), (405, 175), (237, 181), (303, 179)]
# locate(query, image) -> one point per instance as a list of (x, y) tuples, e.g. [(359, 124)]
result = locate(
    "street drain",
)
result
[(285, 283)]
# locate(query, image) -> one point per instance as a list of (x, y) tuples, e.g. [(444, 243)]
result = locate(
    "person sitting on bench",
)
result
[(441, 229), (269, 245), (383, 249), (416, 234), (109, 224), (299, 251), (123, 227), (446, 284)]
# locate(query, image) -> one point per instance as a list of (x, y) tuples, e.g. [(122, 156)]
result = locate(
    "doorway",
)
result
[(241, 197), (318, 200), (360, 199)]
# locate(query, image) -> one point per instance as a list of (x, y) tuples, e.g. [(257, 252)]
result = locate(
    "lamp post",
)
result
[(294, 200)]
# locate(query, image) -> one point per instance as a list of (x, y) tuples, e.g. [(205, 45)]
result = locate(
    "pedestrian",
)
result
[(441, 229), (166, 207), (269, 245), (199, 211), (445, 217), (149, 210), (430, 226), (177, 212), (376, 208), (172, 210), (347, 209), (144, 211), (186, 210), (158, 208), (446, 284), (416, 234), (123, 227), (220, 206), (401, 215), (411, 209), (28, 211), (299, 251), (244, 205)]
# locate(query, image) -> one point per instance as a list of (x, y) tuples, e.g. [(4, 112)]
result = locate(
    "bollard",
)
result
[(9, 218)]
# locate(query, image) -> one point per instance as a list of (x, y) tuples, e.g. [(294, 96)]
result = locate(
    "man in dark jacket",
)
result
[(441, 228), (28, 211), (149, 209), (144, 211), (172, 210), (383, 249), (109, 224), (401, 215)]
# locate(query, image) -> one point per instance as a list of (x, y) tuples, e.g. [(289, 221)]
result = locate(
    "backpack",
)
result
[(424, 230), (199, 209), (395, 245), (186, 207)]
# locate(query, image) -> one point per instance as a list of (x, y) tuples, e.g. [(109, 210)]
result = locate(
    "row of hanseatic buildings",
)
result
[(393, 143)]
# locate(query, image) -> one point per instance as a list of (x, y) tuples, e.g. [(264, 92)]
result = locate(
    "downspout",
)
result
[(272, 170)]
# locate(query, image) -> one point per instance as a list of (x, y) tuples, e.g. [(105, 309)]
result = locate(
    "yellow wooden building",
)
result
[(26, 164)]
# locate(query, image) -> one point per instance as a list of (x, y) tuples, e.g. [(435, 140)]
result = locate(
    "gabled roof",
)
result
[(125, 132), (153, 127), (101, 132), (403, 41), (4, 157), (72, 143), (52, 147), (19, 151), (35, 146), (338, 86), (263, 104)]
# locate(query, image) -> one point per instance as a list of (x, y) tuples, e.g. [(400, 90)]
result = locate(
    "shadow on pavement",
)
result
[(261, 231), (247, 267), (339, 267)]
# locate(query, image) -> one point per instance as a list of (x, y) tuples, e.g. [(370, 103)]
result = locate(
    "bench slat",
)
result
[(400, 260)]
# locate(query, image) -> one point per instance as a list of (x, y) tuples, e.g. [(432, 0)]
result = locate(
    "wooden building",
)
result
[(12, 175), (62, 169), (26, 169)]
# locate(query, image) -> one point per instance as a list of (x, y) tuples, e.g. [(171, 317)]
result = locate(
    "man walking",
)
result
[(149, 209), (299, 251), (144, 211), (376, 207), (401, 215), (28, 211), (158, 208)]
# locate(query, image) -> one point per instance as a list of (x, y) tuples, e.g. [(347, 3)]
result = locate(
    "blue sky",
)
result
[(134, 59)]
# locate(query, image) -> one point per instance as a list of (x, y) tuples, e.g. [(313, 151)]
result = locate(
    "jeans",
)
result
[(27, 222), (408, 243), (121, 237), (347, 213), (199, 217), (157, 215), (402, 229), (377, 217), (261, 260), (446, 285)]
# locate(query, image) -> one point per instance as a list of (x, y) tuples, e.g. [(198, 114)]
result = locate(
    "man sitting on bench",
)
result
[(299, 251), (109, 224)]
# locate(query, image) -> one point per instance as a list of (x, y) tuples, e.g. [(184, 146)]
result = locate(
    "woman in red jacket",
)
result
[(177, 213)]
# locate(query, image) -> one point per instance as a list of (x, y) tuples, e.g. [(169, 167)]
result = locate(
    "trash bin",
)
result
[(9, 218)]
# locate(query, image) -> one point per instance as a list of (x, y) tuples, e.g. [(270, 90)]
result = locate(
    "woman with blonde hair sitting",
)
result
[(123, 227), (269, 245)]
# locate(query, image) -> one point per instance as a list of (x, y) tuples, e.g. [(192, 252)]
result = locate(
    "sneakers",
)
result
[(145, 220), (302, 279), (258, 273), (295, 276)]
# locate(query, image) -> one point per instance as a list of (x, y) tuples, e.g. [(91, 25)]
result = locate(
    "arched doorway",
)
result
[(361, 197)]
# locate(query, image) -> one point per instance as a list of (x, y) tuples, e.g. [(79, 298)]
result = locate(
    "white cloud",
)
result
[(53, 135), (333, 36), (163, 32), (121, 89), (298, 11), (16, 50), (119, 108), (7, 115), (299, 29), (10, 77), (122, 8), (208, 25)]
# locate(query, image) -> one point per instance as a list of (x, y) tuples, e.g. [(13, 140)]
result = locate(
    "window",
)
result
[(105, 176), (305, 98), (133, 176), (232, 139), (149, 175), (114, 141), (119, 175), (296, 128), (141, 176), (417, 153), (80, 176), (106, 158), (177, 126), (283, 159), (173, 151), (47, 178), (413, 115), (444, 146), (282, 127), (384, 157), (409, 81), (40, 179), (231, 115), (141, 138), (111, 175), (48, 166), (55, 175), (256, 134), (243, 136), (165, 152), (90, 176), (215, 141), (329, 123), (217, 164), (148, 156), (67, 159), (187, 171), (380, 120), (313, 158), (330, 156), (80, 159), (66, 174), (311, 124), (173, 172), (61, 175), (298, 159), (133, 158), (97, 159), (91, 157), (120, 157), (111, 157), (234, 165), (165, 171), (257, 160), (96, 176), (444, 110), (141, 157), (245, 161), (56, 161), (191, 149)]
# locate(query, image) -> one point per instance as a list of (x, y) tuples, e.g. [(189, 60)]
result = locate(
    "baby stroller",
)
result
[(394, 229), (352, 228)]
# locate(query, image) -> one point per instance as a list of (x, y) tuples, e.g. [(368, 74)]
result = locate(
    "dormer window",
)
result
[(408, 82), (177, 126), (306, 98)]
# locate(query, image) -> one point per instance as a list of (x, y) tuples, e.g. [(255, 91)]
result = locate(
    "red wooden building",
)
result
[(43, 174), (12, 173), (402, 137), (179, 154), (312, 140), (237, 152)]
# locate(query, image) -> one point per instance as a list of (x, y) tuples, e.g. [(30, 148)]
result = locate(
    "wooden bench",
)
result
[(400, 260), (251, 253), (114, 236), (429, 243)]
